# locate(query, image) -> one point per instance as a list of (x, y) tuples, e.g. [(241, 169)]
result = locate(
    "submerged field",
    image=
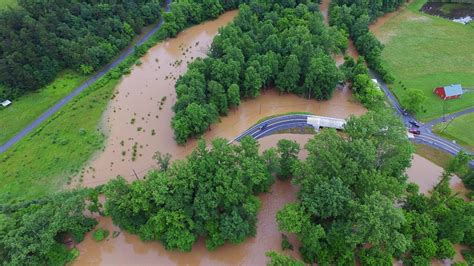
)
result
[(460, 129), (424, 52)]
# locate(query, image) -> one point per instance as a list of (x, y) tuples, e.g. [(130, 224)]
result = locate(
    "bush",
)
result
[(285, 243), (100, 234)]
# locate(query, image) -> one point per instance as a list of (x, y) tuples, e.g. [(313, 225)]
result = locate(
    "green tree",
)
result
[(252, 82), (277, 259), (233, 95), (287, 80), (288, 151), (414, 100), (218, 97), (322, 77)]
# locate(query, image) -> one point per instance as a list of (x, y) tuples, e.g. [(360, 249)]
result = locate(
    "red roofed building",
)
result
[(449, 92)]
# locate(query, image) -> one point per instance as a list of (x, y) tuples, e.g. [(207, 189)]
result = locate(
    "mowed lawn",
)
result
[(460, 129), (424, 52), (26, 109)]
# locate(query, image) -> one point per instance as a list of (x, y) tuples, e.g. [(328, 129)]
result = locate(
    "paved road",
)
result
[(81, 88), (427, 137), (449, 117)]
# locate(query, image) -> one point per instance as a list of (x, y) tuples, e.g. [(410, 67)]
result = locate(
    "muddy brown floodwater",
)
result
[(351, 50), (139, 119), (134, 120)]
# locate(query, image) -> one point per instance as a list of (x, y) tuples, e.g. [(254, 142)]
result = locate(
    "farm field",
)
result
[(460, 129), (27, 108), (424, 52)]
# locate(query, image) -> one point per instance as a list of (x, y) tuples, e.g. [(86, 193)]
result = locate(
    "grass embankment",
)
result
[(460, 129), (4, 4), (27, 108), (43, 162), (424, 52), (438, 157), (40, 163)]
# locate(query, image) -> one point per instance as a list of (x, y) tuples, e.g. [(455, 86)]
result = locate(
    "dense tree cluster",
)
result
[(348, 189), (354, 203), (271, 43), (369, 94), (354, 17), (41, 38), (211, 194), (33, 233), (434, 223)]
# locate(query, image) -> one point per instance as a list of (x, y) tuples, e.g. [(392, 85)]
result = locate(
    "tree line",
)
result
[(282, 44), (354, 17), (41, 38)]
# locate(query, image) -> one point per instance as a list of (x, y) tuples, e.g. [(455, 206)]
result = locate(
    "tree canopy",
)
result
[(282, 44), (211, 194), (32, 233), (41, 38)]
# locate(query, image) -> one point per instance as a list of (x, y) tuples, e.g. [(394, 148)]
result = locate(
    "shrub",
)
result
[(100, 234)]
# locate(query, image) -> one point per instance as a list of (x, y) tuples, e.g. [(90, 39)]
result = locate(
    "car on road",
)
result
[(414, 131), (405, 112), (262, 127), (414, 123)]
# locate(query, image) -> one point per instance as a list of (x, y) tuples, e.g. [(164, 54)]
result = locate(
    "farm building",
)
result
[(449, 92)]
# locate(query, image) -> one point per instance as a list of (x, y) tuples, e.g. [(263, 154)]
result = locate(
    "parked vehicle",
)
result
[(414, 123), (414, 131)]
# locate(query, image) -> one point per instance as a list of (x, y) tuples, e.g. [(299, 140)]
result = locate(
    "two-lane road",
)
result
[(427, 136), (29, 128)]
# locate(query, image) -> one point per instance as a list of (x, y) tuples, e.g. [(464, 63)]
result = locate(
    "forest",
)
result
[(354, 17), (282, 44), (41, 38)]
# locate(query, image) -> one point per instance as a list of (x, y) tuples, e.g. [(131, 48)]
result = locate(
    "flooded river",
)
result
[(134, 120), (128, 249), (139, 119), (351, 50)]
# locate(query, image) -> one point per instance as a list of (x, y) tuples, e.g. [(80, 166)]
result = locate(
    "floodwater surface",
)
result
[(351, 50), (138, 120), (426, 175)]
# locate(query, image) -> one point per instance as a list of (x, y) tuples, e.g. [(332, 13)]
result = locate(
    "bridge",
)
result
[(271, 125)]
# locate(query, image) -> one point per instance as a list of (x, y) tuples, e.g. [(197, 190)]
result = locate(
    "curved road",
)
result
[(427, 137), (81, 88)]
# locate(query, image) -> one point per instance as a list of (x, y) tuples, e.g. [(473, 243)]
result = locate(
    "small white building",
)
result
[(5, 103)]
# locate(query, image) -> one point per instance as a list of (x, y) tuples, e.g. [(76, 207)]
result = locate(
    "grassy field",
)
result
[(8, 3), (424, 52), (460, 129), (41, 163), (27, 108)]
